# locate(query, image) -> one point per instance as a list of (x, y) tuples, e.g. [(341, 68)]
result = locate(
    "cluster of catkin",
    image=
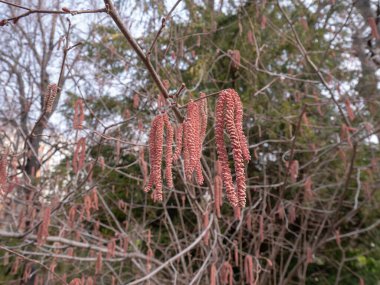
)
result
[(156, 142), (189, 139), (229, 117)]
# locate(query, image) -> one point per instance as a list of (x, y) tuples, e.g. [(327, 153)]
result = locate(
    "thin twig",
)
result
[(163, 25), (175, 257)]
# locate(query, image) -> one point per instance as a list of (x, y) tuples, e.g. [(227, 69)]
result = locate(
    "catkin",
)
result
[(78, 115), (43, 229), (229, 115), (50, 96), (194, 131), (178, 142), (248, 268), (156, 142), (169, 151), (3, 173), (79, 155)]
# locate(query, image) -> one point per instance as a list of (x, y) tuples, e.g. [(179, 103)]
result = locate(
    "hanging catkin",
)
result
[(213, 274), (194, 131), (44, 227), (79, 155), (229, 115), (156, 142), (169, 151), (248, 268), (3, 172), (178, 142), (78, 115), (49, 97)]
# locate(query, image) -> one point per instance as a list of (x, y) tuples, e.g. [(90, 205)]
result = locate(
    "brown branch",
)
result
[(111, 10), (31, 11)]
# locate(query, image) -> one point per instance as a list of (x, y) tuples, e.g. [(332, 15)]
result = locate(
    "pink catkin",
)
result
[(345, 134), (78, 114), (178, 142), (250, 37), (248, 268), (222, 152), (235, 56), (292, 214), (3, 173), (89, 281), (101, 162), (87, 206), (337, 237), (236, 253), (293, 168), (79, 155), (125, 244), (194, 131), (43, 229), (155, 156), (309, 255), (237, 213), (237, 152), (309, 194), (229, 113), (226, 276), (70, 251), (49, 97), (202, 105), (169, 151), (149, 260), (213, 274), (136, 101), (350, 113), (111, 247), (94, 199), (99, 263), (27, 272), (76, 281)]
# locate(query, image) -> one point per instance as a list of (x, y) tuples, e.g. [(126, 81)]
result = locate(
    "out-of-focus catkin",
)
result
[(79, 155), (43, 229), (213, 274), (50, 96), (78, 114), (3, 173)]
